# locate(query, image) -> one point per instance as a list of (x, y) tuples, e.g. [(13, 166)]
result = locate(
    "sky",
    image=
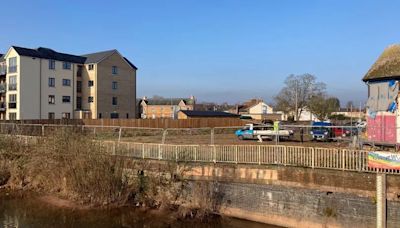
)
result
[(216, 50)]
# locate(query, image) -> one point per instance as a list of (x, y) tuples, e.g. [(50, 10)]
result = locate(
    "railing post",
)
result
[(236, 154), (195, 153), (142, 150), (214, 154), (119, 134), (159, 152), (312, 158), (285, 155), (343, 160), (42, 129), (176, 153), (381, 200)]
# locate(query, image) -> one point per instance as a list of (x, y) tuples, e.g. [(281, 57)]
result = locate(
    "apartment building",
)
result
[(165, 107), (45, 84)]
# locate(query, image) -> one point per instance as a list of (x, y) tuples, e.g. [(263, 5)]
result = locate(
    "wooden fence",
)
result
[(144, 123)]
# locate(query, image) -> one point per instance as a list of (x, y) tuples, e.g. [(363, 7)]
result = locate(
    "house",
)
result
[(307, 115), (46, 84), (255, 108), (346, 112), (187, 114), (165, 107), (382, 80)]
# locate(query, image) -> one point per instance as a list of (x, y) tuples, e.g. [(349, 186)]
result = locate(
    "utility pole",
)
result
[(295, 116)]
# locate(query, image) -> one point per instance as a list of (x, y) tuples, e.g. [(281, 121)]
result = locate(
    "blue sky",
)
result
[(217, 50)]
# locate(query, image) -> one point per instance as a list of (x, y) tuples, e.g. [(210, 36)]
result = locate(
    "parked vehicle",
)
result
[(322, 131), (251, 131)]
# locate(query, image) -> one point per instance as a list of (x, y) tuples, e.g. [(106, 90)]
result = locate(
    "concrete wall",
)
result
[(296, 197)]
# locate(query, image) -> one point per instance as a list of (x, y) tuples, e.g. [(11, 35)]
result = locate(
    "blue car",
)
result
[(247, 132), (321, 131)]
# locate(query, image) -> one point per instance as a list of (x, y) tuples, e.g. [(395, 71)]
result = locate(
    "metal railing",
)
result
[(309, 157)]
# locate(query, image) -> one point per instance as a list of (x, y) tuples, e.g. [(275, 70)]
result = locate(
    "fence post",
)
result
[(94, 131), (83, 128), (212, 136), (259, 154), (113, 148), (42, 129), (381, 200), (164, 135), (312, 158)]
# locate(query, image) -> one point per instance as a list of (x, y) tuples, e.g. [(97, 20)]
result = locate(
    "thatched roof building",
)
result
[(387, 66)]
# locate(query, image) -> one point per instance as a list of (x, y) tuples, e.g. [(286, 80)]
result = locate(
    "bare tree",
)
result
[(296, 94)]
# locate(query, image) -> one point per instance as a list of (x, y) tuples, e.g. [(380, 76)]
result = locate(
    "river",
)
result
[(30, 212)]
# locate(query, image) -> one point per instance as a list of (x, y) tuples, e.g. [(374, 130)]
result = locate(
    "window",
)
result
[(66, 65), (12, 83), (99, 115), (79, 71), (12, 116), (12, 65), (79, 86), (114, 85), (52, 82), (90, 83), (91, 66), (12, 101), (66, 115), (66, 99), (52, 64), (90, 99), (52, 99), (114, 101), (79, 103), (114, 70), (127, 115), (66, 82), (51, 116), (114, 115)]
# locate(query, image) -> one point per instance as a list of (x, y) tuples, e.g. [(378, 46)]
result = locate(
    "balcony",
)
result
[(12, 69), (12, 105), (12, 87), (3, 88), (3, 106), (3, 70)]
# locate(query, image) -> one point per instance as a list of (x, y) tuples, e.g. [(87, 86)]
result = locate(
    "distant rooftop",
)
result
[(191, 113), (168, 101)]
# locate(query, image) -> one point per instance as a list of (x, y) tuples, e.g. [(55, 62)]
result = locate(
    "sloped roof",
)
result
[(192, 113), (169, 101), (387, 66), (47, 53), (98, 56)]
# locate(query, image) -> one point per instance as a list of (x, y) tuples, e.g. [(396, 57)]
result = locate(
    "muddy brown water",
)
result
[(30, 212)]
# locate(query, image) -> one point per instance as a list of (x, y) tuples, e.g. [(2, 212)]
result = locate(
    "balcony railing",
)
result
[(3, 87), (12, 105), (12, 86)]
